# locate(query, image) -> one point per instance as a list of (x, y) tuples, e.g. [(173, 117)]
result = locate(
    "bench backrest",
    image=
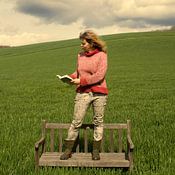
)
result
[(113, 136)]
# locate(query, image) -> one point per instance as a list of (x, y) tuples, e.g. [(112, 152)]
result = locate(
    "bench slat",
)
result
[(111, 140), (60, 140), (119, 140), (102, 144), (85, 160), (106, 126), (52, 140), (85, 140), (78, 144)]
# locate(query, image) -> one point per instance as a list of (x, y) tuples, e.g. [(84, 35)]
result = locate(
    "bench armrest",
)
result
[(130, 148), (130, 143), (37, 145), (40, 142)]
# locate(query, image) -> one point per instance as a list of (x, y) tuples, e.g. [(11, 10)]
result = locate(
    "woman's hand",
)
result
[(76, 81)]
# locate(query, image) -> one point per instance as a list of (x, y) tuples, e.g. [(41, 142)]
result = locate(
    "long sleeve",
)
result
[(99, 75), (74, 75)]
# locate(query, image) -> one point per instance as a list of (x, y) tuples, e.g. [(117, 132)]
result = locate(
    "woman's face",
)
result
[(85, 45)]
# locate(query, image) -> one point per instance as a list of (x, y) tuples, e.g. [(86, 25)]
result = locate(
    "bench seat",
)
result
[(116, 147), (84, 160)]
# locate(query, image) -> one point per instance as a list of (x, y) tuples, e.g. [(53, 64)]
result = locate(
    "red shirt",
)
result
[(91, 69)]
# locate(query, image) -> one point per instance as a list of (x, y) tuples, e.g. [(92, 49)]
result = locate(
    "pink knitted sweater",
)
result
[(91, 69)]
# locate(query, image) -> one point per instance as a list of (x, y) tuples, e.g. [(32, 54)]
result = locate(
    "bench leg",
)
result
[(36, 159), (130, 162)]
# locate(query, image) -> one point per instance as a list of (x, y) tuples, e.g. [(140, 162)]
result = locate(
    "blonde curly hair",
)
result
[(93, 39)]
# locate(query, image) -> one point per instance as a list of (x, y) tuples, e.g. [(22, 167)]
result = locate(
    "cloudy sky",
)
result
[(33, 21)]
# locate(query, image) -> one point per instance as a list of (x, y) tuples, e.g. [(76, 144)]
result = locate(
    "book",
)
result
[(65, 78)]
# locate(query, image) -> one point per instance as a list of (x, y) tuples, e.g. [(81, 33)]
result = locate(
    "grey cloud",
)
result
[(132, 23), (36, 9), (166, 22), (66, 12), (140, 22), (100, 13)]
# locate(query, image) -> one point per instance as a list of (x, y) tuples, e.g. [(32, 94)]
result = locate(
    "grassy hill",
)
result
[(141, 82)]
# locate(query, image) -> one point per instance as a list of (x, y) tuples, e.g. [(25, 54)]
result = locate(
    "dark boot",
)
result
[(96, 150), (68, 152)]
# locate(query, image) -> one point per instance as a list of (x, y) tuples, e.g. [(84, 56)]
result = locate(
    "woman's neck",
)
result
[(91, 52)]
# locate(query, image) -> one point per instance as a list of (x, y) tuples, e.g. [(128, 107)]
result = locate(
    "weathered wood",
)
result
[(43, 128), (52, 140), (44, 134), (37, 145), (108, 159), (119, 140), (84, 160), (91, 126), (85, 140), (111, 140), (102, 144), (115, 126), (40, 142), (78, 144), (36, 159), (57, 126), (130, 145), (60, 140)]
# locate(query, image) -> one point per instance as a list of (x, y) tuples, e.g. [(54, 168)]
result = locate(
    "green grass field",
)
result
[(141, 82)]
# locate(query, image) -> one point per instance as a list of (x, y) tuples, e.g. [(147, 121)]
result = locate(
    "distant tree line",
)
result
[(4, 46), (172, 28)]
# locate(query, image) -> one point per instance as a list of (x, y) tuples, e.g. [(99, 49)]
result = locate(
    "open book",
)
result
[(65, 78)]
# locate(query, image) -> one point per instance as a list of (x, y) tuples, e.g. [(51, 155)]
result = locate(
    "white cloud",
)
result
[(147, 9), (22, 39)]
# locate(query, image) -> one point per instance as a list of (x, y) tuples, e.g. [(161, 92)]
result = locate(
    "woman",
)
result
[(91, 90)]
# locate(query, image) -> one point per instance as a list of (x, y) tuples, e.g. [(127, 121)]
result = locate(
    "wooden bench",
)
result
[(114, 153)]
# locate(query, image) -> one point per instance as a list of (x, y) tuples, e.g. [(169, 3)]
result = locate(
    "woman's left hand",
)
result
[(76, 81)]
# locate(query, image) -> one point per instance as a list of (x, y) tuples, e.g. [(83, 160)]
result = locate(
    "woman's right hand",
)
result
[(76, 81)]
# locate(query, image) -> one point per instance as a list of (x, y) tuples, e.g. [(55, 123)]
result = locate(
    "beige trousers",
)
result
[(82, 102)]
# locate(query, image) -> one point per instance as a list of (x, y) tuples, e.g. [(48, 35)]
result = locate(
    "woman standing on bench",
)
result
[(91, 90)]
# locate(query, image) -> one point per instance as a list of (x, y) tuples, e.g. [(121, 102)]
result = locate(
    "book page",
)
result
[(65, 78)]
